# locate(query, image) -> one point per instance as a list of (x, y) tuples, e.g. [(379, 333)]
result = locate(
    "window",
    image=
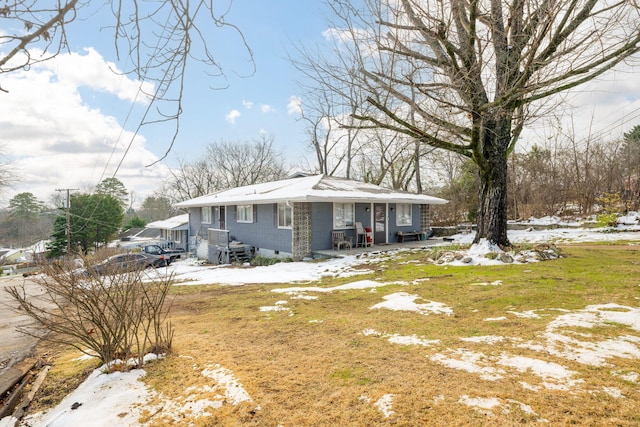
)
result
[(245, 213), (343, 215), (284, 215), (403, 214), (206, 214)]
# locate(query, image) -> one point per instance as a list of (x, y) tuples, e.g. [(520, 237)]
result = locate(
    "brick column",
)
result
[(301, 232), (425, 220)]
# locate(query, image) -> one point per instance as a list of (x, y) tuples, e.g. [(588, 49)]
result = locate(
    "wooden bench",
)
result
[(402, 235)]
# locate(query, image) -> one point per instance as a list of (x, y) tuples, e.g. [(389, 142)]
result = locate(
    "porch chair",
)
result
[(362, 240), (339, 240)]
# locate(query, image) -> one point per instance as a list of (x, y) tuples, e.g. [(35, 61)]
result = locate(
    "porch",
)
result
[(386, 247)]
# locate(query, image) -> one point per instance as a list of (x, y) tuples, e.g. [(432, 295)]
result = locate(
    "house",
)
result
[(295, 217), (171, 233), (174, 230)]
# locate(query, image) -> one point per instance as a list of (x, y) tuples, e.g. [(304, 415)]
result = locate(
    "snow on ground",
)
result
[(118, 399), (404, 301)]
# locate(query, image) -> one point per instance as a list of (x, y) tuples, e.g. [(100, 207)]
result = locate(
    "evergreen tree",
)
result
[(25, 206), (94, 221), (115, 188)]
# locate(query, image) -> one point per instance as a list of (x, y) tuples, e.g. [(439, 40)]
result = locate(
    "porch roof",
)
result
[(315, 188), (179, 222)]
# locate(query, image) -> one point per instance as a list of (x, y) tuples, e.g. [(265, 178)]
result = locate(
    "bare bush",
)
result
[(121, 314)]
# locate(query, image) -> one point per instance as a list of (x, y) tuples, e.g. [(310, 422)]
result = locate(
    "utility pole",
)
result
[(67, 228)]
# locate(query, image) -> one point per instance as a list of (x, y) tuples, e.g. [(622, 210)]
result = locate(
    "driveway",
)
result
[(15, 345)]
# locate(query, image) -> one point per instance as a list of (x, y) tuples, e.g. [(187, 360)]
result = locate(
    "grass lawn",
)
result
[(554, 342)]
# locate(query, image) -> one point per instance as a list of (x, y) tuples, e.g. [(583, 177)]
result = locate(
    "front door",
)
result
[(380, 223)]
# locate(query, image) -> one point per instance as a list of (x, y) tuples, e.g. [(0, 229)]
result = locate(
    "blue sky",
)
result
[(65, 140), (67, 123)]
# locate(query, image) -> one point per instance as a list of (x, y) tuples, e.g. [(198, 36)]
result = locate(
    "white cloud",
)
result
[(93, 71), (56, 140), (294, 106), (247, 104), (266, 108), (232, 116)]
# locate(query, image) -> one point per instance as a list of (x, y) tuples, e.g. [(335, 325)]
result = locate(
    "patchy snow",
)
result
[(529, 314), (234, 392), (494, 283), (486, 339), (102, 400), (470, 361), (402, 301), (401, 339), (384, 405), (362, 284), (487, 405), (632, 377), (118, 399), (279, 306), (480, 402), (560, 340), (482, 248), (495, 319), (554, 376)]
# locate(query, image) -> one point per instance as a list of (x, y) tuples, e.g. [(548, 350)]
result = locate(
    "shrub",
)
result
[(264, 261), (118, 315), (607, 220)]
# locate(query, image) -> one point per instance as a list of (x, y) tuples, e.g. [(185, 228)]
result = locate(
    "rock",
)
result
[(447, 257), (506, 258)]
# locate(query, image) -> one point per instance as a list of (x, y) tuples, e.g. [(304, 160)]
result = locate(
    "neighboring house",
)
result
[(295, 217), (174, 230), (169, 233), (35, 252), (139, 235)]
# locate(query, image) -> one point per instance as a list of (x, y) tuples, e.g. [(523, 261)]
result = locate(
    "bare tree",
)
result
[(190, 180), (157, 39), (238, 163), (334, 138), (227, 164), (473, 73)]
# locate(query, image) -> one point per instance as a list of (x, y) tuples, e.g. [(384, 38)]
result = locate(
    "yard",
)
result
[(393, 340)]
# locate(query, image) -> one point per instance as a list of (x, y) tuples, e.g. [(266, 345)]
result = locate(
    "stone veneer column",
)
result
[(301, 232), (425, 221)]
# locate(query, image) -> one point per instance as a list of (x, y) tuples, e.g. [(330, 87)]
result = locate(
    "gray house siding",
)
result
[(267, 238), (322, 215), (263, 232), (416, 222), (195, 219), (322, 224)]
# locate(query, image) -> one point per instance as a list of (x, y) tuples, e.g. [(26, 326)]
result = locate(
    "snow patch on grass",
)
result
[(402, 301)]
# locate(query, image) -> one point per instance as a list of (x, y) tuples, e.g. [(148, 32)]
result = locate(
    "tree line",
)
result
[(558, 176)]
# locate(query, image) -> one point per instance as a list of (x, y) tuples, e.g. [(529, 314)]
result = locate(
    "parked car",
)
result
[(128, 262), (169, 255)]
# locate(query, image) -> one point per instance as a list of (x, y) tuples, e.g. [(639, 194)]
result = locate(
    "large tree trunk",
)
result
[(492, 205)]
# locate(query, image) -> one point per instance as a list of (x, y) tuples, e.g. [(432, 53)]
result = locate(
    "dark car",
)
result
[(128, 262), (169, 255)]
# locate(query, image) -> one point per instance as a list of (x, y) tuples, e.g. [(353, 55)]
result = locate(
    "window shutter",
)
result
[(235, 214), (255, 213)]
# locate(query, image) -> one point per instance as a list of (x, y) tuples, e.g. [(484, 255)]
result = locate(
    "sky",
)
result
[(71, 122), (67, 122), (117, 399)]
